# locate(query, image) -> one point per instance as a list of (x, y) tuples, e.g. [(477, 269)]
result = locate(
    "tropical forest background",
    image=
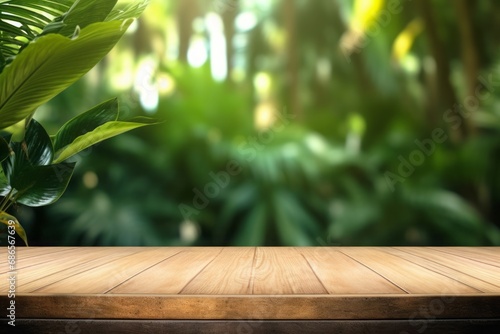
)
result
[(290, 122)]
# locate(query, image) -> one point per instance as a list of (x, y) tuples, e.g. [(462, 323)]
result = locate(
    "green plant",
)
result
[(45, 46)]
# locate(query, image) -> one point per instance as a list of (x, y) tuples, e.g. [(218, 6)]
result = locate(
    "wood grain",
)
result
[(172, 275), (337, 272), (49, 275), (102, 278), (448, 271), (477, 267), (283, 270), (28, 256), (229, 273), (481, 254), (257, 307), (407, 275)]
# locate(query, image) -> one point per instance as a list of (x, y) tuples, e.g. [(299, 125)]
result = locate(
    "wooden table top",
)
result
[(254, 282)]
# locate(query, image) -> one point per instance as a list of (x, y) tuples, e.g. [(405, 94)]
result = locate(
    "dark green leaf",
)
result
[(28, 175), (37, 144), (41, 185), (34, 150)]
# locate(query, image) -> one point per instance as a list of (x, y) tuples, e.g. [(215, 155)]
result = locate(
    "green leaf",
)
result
[(125, 10), (85, 12), (105, 131), (34, 150), (29, 176), (86, 122), (41, 185), (38, 144), (49, 65), (5, 218)]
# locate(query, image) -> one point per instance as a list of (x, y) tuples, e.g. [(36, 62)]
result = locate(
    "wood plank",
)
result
[(27, 256), (486, 255), (46, 259), (349, 307), (172, 275), (35, 283), (58, 263), (283, 270), (409, 276), (429, 326), (480, 270), (336, 271), (106, 276), (229, 273), (450, 272), (26, 252)]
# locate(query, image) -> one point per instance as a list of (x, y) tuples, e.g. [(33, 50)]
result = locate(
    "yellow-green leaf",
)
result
[(105, 131), (10, 220)]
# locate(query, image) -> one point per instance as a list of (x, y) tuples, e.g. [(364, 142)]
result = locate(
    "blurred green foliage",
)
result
[(295, 145)]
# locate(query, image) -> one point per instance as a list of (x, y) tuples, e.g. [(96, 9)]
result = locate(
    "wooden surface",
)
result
[(256, 283)]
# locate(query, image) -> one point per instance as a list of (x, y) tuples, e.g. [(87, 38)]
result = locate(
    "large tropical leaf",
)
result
[(51, 64), (105, 131)]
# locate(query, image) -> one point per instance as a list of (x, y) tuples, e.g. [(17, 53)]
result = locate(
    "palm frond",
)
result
[(22, 20)]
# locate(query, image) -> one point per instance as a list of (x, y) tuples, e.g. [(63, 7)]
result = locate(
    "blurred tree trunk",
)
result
[(470, 61), (228, 17), (447, 95), (470, 58), (187, 11), (292, 56)]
